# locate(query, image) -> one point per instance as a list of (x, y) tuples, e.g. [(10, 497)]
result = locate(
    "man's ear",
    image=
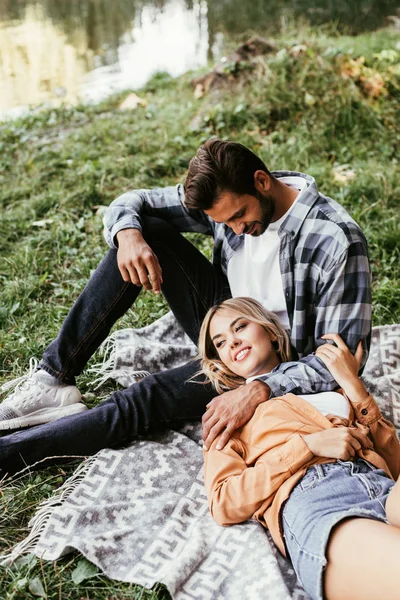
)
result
[(262, 181)]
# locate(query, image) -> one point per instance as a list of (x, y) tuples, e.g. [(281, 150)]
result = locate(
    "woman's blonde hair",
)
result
[(212, 366)]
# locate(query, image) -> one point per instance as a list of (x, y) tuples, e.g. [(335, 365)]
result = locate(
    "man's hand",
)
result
[(337, 442), (137, 262), (231, 410)]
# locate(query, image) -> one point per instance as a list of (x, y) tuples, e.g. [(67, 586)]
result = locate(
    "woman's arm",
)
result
[(235, 491), (344, 368)]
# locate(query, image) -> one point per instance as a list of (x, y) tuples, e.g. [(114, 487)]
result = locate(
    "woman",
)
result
[(316, 470)]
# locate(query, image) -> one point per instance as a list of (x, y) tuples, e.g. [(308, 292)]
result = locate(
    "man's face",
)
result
[(244, 213)]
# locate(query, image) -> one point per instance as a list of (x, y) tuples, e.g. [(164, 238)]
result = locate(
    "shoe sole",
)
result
[(43, 417)]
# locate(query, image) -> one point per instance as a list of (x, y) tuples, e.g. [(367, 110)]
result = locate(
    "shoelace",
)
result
[(19, 381)]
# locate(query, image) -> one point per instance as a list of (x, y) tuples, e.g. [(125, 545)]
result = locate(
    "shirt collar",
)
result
[(308, 197)]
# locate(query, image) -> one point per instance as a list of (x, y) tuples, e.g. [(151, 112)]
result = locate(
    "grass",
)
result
[(329, 109)]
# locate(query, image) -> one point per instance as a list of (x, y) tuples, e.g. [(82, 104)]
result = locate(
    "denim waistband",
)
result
[(358, 465)]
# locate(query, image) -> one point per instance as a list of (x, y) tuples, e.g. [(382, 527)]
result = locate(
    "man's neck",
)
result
[(284, 196)]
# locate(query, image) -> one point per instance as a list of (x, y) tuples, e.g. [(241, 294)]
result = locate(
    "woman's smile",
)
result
[(242, 354)]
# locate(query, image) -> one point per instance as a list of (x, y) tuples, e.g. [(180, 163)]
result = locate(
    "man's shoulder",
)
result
[(317, 215), (327, 235), (331, 220)]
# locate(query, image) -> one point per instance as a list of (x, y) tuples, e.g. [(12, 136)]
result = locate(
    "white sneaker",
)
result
[(34, 402)]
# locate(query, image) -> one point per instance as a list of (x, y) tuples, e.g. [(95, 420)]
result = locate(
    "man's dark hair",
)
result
[(220, 166)]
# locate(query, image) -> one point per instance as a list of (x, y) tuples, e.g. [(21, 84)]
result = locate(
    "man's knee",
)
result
[(156, 231)]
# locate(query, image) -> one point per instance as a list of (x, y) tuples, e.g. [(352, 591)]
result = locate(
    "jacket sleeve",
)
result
[(165, 203), (235, 490), (342, 305), (382, 432)]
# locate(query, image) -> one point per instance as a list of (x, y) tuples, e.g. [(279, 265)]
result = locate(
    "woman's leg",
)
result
[(336, 534), (363, 556), (363, 561)]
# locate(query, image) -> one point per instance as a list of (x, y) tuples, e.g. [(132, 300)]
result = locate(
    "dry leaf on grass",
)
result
[(132, 102), (373, 84), (343, 174)]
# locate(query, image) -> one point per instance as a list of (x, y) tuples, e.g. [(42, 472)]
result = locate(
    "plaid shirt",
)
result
[(324, 267)]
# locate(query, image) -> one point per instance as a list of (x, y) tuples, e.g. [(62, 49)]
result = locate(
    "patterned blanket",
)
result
[(140, 513)]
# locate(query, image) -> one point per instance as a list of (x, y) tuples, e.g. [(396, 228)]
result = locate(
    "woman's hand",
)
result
[(337, 442), (343, 365)]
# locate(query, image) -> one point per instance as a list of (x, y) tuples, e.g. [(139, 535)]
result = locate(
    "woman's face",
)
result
[(243, 346)]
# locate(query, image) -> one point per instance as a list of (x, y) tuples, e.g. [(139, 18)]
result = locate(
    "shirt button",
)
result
[(283, 388), (364, 411)]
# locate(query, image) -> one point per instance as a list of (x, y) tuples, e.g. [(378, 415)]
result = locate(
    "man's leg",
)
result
[(165, 399), (157, 401), (191, 284)]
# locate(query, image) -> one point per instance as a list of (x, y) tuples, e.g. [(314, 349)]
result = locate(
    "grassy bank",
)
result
[(322, 104)]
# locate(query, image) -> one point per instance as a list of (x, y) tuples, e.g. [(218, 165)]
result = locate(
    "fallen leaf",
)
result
[(309, 99), (343, 174), (83, 570), (352, 68), (373, 84), (42, 223), (298, 50), (132, 101), (36, 588), (198, 91), (100, 209)]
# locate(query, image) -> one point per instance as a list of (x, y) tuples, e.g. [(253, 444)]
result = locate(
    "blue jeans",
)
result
[(191, 285), (327, 494)]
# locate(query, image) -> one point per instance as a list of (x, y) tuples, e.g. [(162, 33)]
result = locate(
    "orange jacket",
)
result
[(256, 471)]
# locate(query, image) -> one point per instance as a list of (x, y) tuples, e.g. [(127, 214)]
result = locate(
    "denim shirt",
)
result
[(323, 261)]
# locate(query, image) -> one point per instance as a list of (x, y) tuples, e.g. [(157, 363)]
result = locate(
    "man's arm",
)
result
[(137, 262), (165, 203), (343, 306), (231, 410)]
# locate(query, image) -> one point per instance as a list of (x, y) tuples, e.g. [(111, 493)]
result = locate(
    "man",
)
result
[(276, 238)]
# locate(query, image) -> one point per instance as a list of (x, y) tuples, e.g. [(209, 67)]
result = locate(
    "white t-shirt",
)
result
[(329, 403), (254, 269)]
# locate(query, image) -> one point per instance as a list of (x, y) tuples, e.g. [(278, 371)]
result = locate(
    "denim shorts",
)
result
[(327, 494)]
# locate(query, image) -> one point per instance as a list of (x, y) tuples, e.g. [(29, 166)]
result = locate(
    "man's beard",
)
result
[(267, 206)]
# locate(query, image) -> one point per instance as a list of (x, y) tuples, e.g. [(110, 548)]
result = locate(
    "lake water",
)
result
[(54, 51)]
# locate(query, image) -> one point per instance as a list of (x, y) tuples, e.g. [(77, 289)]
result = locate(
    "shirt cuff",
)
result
[(131, 223), (279, 385), (367, 411)]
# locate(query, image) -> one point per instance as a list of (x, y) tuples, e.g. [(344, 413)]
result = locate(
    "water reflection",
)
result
[(63, 50), (174, 40), (350, 16), (37, 61)]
